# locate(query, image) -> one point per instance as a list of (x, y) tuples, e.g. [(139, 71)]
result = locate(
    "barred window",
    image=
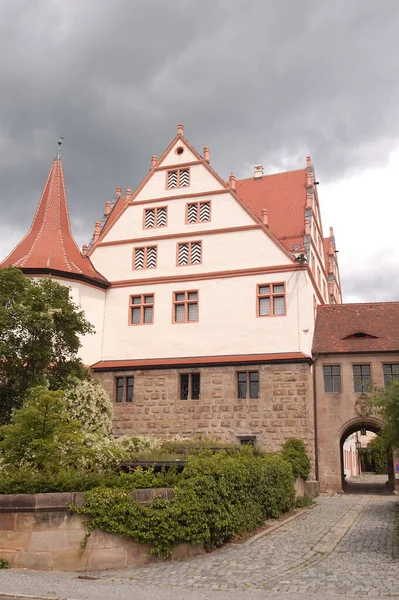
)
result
[(271, 299), (189, 253), (332, 379), (178, 178), (391, 373), (198, 212), (185, 306), (190, 386), (248, 384), (155, 217), (145, 257), (124, 389), (361, 378), (142, 309)]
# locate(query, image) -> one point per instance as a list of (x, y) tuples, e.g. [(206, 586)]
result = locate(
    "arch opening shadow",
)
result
[(357, 475)]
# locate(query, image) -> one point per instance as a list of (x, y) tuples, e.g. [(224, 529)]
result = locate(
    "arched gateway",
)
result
[(356, 346)]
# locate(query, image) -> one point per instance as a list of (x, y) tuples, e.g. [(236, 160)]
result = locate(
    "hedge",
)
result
[(218, 497)]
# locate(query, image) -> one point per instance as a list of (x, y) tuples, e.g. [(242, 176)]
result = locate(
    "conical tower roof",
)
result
[(49, 247)]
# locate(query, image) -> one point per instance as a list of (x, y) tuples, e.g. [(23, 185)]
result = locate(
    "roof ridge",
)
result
[(272, 175), (348, 304)]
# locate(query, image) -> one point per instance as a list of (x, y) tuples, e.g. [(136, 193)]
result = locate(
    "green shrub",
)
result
[(304, 502), (4, 564), (217, 497), (294, 452), (26, 481)]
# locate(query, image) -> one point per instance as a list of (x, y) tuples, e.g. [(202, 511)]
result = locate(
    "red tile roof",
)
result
[(283, 195), (106, 365), (336, 322), (49, 244)]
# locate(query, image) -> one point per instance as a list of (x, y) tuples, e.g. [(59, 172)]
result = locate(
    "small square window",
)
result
[(332, 379), (142, 309), (361, 378), (185, 307)]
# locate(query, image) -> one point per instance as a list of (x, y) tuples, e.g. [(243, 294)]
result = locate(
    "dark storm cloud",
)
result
[(256, 81)]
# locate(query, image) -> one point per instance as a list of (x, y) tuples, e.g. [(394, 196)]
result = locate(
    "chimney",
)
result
[(258, 171), (180, 129), (232, 181), (107, 208), (97, 228), (206, 154), (153, 161), (265, 220), (84, 249)]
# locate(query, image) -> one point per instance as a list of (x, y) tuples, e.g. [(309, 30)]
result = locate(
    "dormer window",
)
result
[(360, 334), (178, 178)]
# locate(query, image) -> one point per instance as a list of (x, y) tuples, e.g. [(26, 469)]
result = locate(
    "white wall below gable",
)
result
[(92, 301), (227, 320)]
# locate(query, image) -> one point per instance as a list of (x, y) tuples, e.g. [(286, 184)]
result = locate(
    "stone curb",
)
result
[(260, 535), (5, 595)]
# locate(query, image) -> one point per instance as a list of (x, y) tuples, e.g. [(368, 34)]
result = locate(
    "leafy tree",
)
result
[(41, 435), (39, 337), (385, 402)]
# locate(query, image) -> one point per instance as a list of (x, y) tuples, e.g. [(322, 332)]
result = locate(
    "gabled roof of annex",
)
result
[(360, 327)]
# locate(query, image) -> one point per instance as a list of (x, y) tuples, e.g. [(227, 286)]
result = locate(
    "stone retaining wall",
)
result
[(37, 531)]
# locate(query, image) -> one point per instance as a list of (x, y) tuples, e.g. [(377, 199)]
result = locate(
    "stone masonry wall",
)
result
[(284, 408), (37, 531)]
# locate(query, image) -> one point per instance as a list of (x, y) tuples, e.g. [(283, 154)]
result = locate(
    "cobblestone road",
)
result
[(344, 547)]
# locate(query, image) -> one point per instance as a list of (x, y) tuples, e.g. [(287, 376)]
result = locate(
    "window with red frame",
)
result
[(198, 212), (271, 299), (189, 253), (185, 306), (142, 309), (178, 178), (145, 257)]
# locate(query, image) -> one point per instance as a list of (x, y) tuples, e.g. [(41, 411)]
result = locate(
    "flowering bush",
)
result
[(88, 402)]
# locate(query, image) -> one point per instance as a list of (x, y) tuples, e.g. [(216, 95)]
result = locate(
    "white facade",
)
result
[(238, 255)]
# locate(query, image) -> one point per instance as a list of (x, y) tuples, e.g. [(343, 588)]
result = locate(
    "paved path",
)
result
[(344, 547)]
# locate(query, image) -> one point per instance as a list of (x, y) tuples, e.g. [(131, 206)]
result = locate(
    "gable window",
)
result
[(332, 379), (145, 257), (124, 389), (271, 299), (185, 306), (248, 384), (142, 309), (178, 178), (361, 378), (190, 386), (189, 253), (198, 212), (391, 373), (155, 217)]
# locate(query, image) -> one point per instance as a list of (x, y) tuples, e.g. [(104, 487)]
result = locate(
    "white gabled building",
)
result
[(208, 298)]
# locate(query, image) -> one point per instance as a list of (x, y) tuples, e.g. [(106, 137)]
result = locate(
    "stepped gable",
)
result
[(283, 195), (363, 327), (49, 247)]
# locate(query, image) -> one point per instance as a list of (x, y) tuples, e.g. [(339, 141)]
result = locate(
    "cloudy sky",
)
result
[(258, 81)]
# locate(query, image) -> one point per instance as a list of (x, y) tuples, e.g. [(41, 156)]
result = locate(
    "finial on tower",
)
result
[(59, 146), (180, 129), (232, 181), (153, 161), (265, 219), (206, 154)]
